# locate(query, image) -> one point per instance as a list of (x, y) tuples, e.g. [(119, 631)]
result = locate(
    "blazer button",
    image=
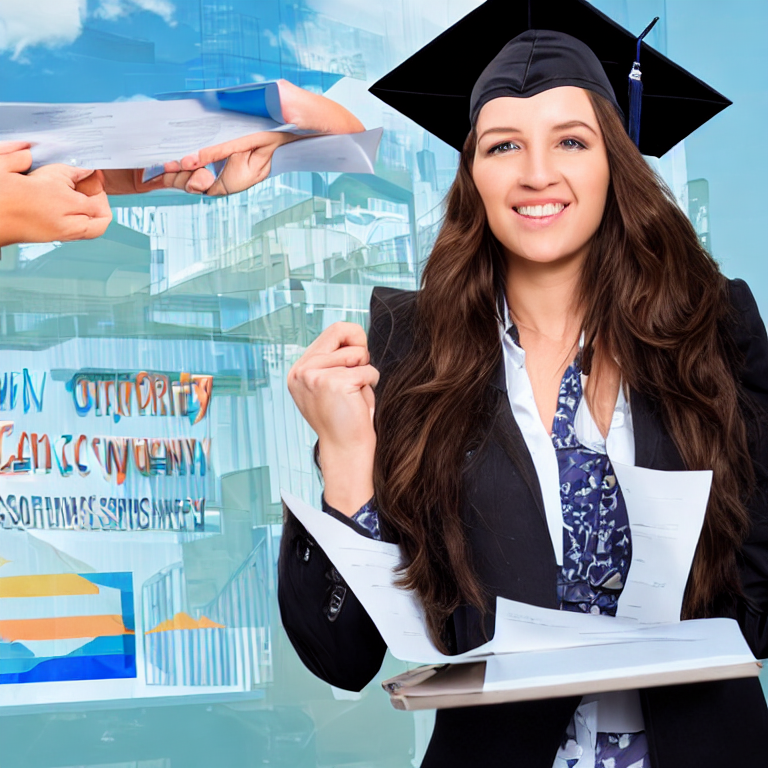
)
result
[(335, 602), (303, 549)]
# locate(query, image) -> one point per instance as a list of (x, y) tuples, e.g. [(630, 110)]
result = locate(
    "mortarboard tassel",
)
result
[(636, 90)]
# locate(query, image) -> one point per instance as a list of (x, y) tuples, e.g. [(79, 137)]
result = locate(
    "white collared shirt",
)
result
[(619, 445), (617, 712)]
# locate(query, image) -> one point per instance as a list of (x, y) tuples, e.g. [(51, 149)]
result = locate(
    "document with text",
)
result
[(147, 133), (539, 652)]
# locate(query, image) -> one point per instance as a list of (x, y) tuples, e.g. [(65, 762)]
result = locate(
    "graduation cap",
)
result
[(434, 87)]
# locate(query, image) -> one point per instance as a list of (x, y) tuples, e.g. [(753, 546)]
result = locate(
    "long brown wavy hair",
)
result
[(654, 301)]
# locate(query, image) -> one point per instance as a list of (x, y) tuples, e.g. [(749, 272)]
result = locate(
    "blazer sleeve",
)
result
[(749, 336), (327, 625)]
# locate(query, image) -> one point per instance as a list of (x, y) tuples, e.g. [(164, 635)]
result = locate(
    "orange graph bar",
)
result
[(47, 585), (62, 628)]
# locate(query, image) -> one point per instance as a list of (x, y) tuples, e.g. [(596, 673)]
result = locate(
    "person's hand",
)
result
[(15, 154), (249, 159), (46, 204), (332, 385), (129, 181)]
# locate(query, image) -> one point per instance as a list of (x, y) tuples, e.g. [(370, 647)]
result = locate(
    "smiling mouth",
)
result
[(540, 211)]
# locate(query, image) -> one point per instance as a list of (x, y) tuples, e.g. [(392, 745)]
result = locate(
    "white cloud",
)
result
[(39, 22), (53, 23), (272, 40), (288, 42), (115, 9), (110, 9)]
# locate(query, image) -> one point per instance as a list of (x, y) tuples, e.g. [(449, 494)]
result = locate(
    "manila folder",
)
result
[(687, 652)]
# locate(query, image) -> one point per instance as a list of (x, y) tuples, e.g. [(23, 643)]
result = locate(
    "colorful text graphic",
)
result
[(141, 394), (106, 513), (30, 386), (36, 453)]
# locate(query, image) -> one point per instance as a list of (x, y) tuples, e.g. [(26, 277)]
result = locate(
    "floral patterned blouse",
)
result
[(597, 552)]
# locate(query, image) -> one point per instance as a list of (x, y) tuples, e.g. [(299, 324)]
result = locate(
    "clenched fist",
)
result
[(332, 385)]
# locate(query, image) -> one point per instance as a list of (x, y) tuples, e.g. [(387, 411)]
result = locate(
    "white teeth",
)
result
[(539, 211)]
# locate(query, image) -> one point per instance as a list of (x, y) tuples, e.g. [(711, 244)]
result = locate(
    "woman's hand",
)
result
[(332, 385), (49, 203), (249, 159)]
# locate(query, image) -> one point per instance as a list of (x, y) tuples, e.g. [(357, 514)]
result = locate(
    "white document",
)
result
[(368, 567), (666, 513), (128, 134), (522, 628), (687, 645), (339, 153), (529, 642)]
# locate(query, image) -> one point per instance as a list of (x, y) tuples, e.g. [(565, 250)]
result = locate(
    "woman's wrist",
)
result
[(347, 476)]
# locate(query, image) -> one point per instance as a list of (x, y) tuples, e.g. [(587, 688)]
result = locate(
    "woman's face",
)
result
[(541, 169)]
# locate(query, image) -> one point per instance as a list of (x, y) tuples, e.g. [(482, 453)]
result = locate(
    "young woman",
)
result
[(568, 317)]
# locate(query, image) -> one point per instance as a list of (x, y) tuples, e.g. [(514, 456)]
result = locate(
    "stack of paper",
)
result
[(690, 651), (540, 653)]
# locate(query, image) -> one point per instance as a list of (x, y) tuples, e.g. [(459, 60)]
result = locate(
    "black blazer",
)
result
[(702, 725)]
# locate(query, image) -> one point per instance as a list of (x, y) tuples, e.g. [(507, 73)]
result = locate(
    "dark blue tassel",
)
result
[(635, 102), (636, 90)]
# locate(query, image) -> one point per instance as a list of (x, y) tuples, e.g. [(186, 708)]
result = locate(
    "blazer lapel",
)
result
[(646, 423), (646, 428), (507, 434), (654, 446)]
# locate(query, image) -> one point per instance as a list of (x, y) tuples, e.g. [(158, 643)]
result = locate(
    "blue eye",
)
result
[(503, 148), (572, 144)]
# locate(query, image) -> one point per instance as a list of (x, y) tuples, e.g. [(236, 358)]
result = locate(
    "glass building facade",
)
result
[(145, 425)]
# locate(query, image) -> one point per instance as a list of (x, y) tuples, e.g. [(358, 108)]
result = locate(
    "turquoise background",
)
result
[(238, 287)]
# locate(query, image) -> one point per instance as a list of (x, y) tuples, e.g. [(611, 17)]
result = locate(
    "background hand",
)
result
[(128, 181), (249, 158), (15, 156), (50, 203), (248, 163)]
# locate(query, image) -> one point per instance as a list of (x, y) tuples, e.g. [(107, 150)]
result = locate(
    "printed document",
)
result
[(666, 510), (147, 134)]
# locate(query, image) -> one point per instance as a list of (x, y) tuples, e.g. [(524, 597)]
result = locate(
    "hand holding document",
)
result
[(244, 162), (539, 652), (75, 205), (153, 133), (123, 134)]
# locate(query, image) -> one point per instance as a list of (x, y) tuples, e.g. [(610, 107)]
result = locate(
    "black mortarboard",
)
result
[(434, 86)]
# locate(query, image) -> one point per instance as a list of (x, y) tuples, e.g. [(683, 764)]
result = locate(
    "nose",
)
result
[(538, 169)]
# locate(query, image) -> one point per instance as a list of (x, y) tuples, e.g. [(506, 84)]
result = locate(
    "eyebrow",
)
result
[(560, 127)]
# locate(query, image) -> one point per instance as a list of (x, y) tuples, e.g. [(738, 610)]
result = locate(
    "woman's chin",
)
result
[(544, 257)]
